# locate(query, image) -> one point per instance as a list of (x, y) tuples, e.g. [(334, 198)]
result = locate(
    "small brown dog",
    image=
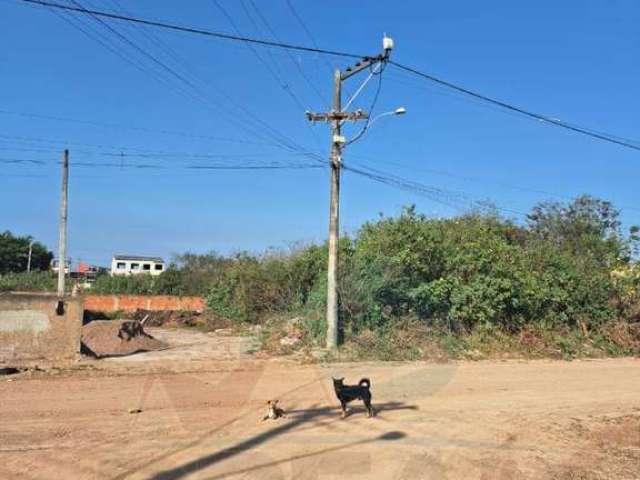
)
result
[(273, 411)]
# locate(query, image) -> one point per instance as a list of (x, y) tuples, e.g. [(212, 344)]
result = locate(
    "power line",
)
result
[(271, 69), (127, 41), (482, 180), (25, 145), (558, 123), (21, 160), (198, 31), (401, 77), (164, 47), (121, 165), (458, 200), (133, 128), (279, 139), (264, 20), (543, 118), (297, 16), (92, 33)]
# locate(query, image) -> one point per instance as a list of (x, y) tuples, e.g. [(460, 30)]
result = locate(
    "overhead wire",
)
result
[(543, 118), (271, 69), (122, 165), (274, 70), (275, 136), (198, 31), (458, 200), (621, 141), (25, 144), (409, 80), (316, 90), (477, 180), (133, 128), (306, 29)]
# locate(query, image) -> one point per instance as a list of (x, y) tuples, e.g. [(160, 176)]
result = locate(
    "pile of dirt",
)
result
[(107, 338)]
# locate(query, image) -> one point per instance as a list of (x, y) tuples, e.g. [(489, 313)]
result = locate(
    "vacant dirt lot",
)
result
[(195, 412)]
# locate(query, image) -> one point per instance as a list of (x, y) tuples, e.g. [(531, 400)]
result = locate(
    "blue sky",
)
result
[(575, 61)]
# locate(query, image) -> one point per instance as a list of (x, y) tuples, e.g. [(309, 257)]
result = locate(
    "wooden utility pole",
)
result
[(62, 230), (336, 116)]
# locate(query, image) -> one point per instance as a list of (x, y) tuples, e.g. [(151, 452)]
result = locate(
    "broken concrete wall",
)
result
[(32, 332)]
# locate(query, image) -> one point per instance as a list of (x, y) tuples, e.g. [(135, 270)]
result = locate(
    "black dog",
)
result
[(348, 393)]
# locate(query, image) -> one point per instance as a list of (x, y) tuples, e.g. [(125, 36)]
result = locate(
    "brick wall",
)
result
[(31, 331), (128, 303)]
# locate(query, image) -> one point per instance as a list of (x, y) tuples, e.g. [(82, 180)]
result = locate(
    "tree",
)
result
[(14, 254), (586, 225)]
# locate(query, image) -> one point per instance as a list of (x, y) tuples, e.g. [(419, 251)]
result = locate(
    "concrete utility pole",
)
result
[(62, 231), (29, 258), (336, 116), (334, 220)]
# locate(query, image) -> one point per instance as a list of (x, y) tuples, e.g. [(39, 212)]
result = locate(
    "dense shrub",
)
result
[(471, 271), (251, 287), (457, 275)]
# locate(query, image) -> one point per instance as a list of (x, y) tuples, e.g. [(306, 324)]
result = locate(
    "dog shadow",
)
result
[(317, 413)]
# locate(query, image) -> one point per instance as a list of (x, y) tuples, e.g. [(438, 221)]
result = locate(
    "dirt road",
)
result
[(202, 418)]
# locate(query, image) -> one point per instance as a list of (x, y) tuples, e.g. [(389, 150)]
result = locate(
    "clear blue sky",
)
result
[(575, 61)]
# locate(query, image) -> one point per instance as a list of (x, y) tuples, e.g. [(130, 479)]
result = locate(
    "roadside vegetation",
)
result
[(565, 284), (478, 285)]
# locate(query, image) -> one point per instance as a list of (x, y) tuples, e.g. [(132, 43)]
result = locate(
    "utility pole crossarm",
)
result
[(341, 116), (365, 63)]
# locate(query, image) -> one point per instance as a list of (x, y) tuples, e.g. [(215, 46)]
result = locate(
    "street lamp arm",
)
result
[(370, 122)]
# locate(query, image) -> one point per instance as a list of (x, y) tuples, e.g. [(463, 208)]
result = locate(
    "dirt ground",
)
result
[(195, 411)]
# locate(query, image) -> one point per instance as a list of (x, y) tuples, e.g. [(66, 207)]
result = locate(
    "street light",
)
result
[(397, 111), (336, 117)]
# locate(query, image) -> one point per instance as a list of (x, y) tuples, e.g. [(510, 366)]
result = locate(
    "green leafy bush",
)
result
[(458, 275), (251, 287)]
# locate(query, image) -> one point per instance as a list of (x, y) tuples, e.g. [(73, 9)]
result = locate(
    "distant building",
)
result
[(134, 265), (55, 266), (85, 274)]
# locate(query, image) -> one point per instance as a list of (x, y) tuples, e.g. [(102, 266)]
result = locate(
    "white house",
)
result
[(134, 265)]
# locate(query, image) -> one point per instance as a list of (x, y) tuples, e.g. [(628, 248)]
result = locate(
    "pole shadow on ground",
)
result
[(294, 419)]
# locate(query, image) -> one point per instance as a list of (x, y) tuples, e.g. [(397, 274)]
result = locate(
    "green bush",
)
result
[(251, 287), (458, 275)]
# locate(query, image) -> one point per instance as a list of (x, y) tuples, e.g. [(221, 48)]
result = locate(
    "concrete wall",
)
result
[(31, 331), (129, 303)]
